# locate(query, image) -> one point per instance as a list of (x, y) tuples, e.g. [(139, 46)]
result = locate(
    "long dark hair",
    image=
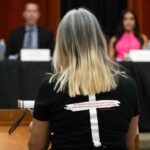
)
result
[(121, 30)]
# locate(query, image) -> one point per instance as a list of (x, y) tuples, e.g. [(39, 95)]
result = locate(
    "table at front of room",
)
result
[(19, 138), (20, 80)]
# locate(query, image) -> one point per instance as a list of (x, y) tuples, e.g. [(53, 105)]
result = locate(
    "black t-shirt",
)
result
[(88, 122)]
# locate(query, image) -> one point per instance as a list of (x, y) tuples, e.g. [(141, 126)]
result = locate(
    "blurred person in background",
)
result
[(30, 36), (127, 37)]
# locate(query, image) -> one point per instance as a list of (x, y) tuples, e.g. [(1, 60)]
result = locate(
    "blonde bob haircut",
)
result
[(81, 62)]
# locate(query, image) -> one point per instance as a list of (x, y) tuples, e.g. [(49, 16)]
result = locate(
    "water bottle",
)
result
[(2, 49), (148, 46)]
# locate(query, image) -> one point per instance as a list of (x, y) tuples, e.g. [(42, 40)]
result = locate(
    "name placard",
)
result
[(35, 55), (140, 55), (26, 104)]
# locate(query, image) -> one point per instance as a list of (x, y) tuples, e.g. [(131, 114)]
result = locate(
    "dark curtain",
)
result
[(107, 11)]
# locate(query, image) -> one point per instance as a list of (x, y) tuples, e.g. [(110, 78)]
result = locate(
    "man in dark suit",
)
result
[(31, 35)]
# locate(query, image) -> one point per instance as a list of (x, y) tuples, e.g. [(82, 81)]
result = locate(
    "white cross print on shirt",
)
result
[(92, 106)]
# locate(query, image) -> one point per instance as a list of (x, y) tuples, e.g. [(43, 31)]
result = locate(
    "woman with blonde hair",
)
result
[(88, 104)]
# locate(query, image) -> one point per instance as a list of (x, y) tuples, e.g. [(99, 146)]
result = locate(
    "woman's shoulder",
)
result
[(47, 82), (126, 82), (145, 41), (144, 37), (113, 39)]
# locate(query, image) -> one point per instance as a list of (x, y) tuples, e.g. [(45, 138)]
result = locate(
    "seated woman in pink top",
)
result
[(127, 37)]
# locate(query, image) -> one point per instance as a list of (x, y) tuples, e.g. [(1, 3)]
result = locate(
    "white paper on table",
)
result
[(29, 104), (35, 55), (140, 55)]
